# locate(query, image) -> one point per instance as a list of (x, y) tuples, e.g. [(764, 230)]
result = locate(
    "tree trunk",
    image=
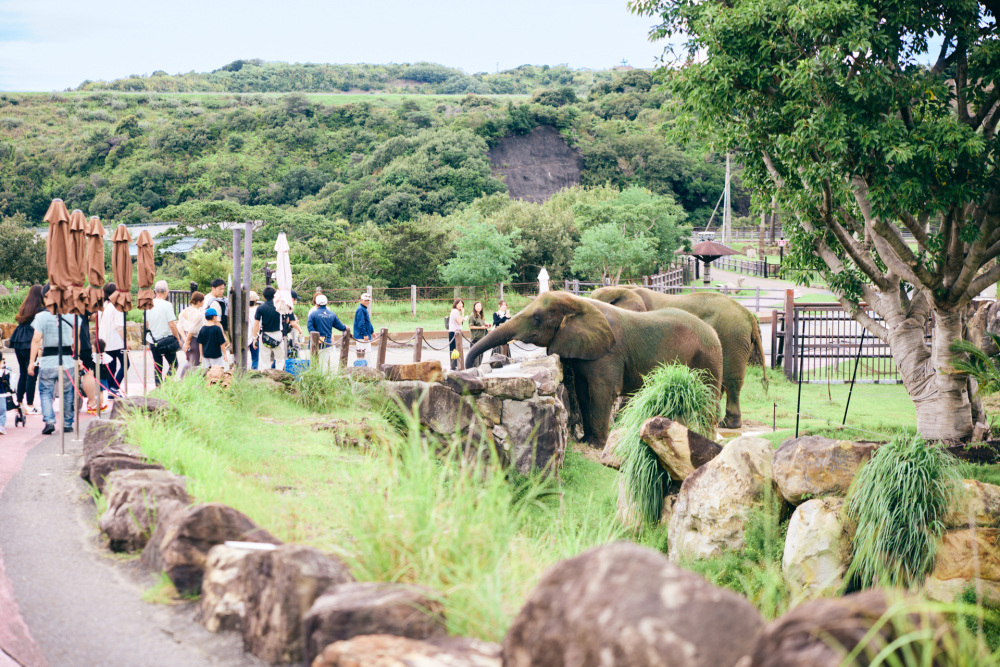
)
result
[(941, 397)]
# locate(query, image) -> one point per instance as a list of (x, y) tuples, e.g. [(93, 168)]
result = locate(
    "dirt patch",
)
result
[(536, 165)]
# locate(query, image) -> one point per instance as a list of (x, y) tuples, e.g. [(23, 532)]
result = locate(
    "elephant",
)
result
[(737, 328), (608, 349)]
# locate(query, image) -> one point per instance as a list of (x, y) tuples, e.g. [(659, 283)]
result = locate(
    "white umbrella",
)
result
[(283, 276), (543, 281)]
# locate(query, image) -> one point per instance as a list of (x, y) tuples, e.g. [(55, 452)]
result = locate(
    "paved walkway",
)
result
[(64, 600)]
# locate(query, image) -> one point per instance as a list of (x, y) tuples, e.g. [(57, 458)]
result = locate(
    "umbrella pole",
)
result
[(125, 360), (100, 360), (62, 387), (76, 375), (145, 378)]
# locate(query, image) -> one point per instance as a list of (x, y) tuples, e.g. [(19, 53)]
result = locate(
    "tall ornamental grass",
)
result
[(675, 392), (899, 500)]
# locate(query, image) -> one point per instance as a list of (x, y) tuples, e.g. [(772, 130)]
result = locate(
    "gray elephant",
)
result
[(609, 349), (736, 327)]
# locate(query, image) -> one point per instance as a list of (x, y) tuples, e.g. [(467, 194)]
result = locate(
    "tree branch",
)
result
[(986, 107), (772, 170), (916, 226)]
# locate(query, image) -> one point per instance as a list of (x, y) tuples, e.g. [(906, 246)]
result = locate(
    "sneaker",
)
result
[(93, 411), (68, 429), (49, 428), (32, 410), (3, 431)]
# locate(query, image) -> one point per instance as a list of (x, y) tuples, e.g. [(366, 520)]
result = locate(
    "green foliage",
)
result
[(755, 570), (22, 252), (983, 368), (483, 256), (899, 500), (606, 250), (672, 391), (204, 266)]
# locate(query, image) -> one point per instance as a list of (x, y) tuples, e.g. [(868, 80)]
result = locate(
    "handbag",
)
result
[(269, 341), (165, 345)]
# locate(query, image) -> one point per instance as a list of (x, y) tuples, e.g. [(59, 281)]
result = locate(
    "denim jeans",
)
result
[(48, 383)]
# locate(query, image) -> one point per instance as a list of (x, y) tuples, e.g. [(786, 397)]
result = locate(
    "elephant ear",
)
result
[(584, 334)]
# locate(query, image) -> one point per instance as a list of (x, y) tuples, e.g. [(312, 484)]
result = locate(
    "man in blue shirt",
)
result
[(363, 328), (323, 321), (45, 350)]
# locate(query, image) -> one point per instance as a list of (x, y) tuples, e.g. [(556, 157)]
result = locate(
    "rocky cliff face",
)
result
[(536, 165)]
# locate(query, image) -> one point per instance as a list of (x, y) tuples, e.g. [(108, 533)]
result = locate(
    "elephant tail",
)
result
[(757, 349)]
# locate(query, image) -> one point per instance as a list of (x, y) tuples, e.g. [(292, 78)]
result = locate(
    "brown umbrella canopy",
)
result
[(77, 262), (57, 254), (95, 263), (706, 251), (121, 269), (146, 269)]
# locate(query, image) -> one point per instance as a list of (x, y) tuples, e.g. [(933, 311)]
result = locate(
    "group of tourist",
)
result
[(478, 327)]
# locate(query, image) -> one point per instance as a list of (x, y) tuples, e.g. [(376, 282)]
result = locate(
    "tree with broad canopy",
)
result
[(863, 119)]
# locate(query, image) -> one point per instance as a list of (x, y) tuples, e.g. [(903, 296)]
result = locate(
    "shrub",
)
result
[(899, 500), (678, 393)]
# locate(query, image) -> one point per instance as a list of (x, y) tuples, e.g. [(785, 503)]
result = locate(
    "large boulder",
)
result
[(546, 372), (279, 587), (102, 434), (392, 651), (133, 499), (513, 387), (440, 409), (537, 433), (368, 608), (962, 556), (822, 632), (623, 604), (490, 408), (222, 605), (680, 451), (977, 502), (124, 405), (609, 456), (363, 373), (709, 515), (464, 382), (813, 466), (817, 548), (110, 460), (423, 371), (182, 540)]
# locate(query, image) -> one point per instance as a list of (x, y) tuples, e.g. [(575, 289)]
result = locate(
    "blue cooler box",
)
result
[(296, 366)]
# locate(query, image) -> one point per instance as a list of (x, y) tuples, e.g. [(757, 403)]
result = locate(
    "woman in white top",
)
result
[(190, 322), (111, 331), (455, 321)]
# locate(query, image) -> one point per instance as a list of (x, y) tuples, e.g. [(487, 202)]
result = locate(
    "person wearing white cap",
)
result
[(363, 328), (323, 321)]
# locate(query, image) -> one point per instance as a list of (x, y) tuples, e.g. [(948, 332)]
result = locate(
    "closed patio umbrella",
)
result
[(95, 295), (57, 259), (77, 263), (121, 269), (147, 276), (283, 276)]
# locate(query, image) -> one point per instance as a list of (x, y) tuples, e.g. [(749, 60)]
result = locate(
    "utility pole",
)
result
[(727, 221)]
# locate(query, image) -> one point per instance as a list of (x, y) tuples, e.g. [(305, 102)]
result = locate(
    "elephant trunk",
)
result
[(502, 335)]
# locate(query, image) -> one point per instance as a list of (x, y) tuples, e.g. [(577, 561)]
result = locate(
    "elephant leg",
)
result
[(732, 387), (597, 417)]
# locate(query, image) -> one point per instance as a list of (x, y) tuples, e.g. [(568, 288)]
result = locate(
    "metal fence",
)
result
[(823, 343), (750, 267)]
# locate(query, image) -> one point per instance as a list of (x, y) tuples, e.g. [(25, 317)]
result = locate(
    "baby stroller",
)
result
[(20, 417)]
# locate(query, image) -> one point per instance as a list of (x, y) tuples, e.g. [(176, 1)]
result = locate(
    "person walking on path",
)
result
[(216, 299), (477, 327), (499, 317), (323, 321), (190, 322), (45, 350), (254, 343), (161, 333), (20, 341), (363, 328), (111, 331), (267, 325), (455, 321), (212, 341)]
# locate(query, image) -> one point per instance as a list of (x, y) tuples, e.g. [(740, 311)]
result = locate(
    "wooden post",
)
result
[(236, 314), (458, 292), (774, 338), (413, 300), (418, 345), (459, 345), (383, 343), (345, 349), (501, 292), (314, 348), (790, 351), (576, 287), (245, 320)]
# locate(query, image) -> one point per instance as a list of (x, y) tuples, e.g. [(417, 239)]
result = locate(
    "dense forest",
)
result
[(372, 189)]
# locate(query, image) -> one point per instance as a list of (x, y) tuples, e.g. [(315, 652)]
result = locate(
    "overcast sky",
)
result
[(57, 44)]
